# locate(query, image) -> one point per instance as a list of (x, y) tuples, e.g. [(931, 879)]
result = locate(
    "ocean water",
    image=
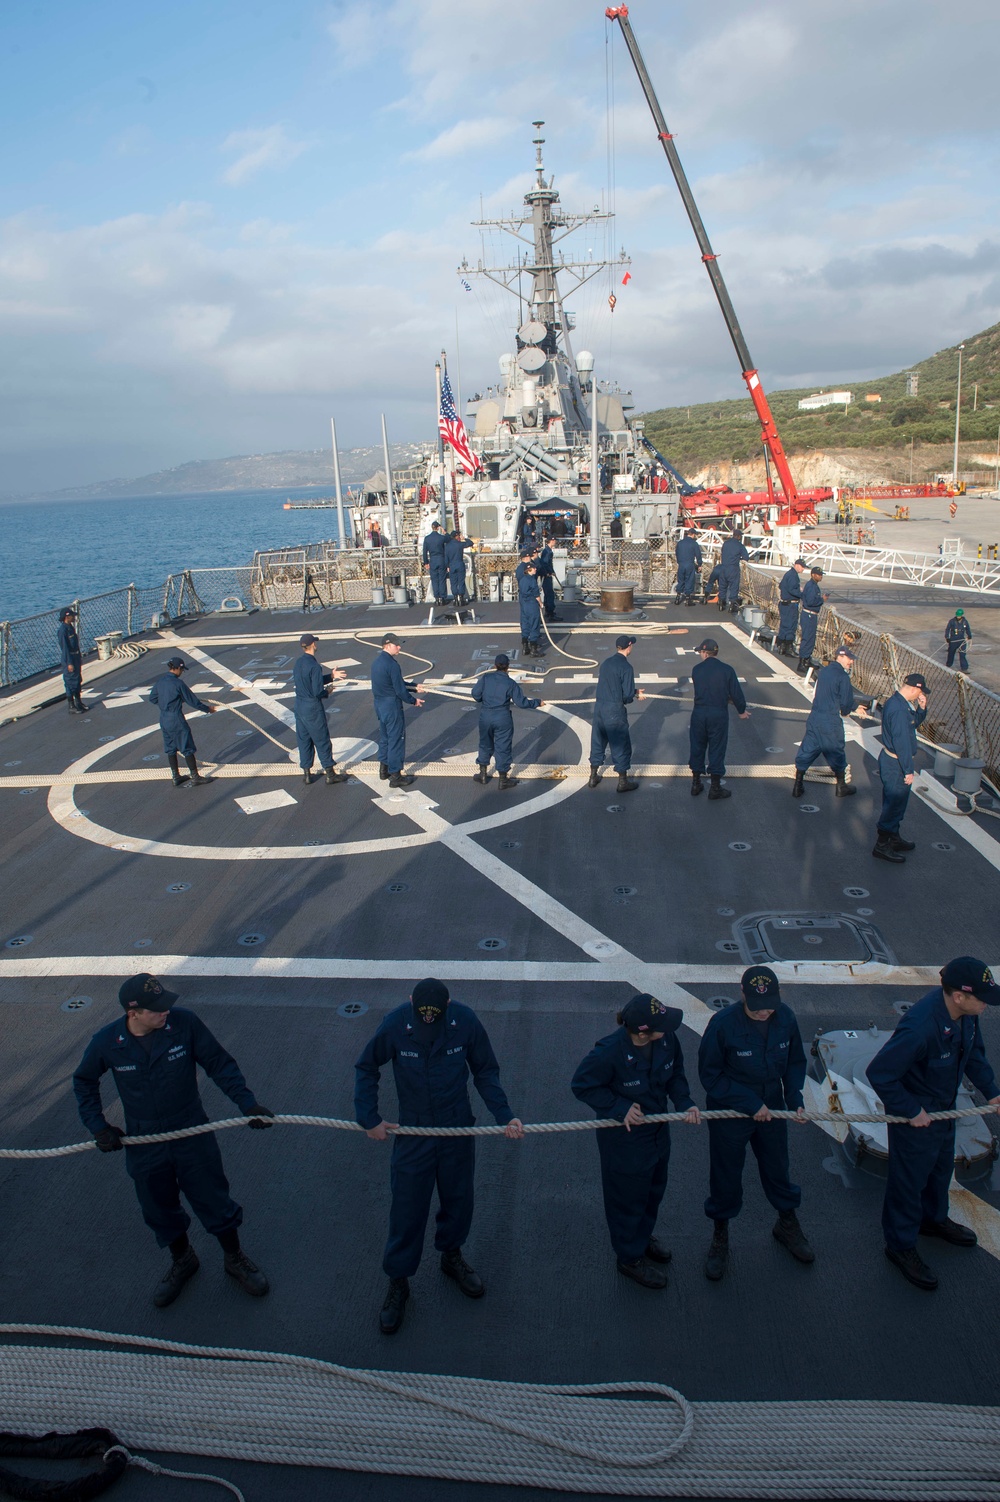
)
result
[(52, 552)]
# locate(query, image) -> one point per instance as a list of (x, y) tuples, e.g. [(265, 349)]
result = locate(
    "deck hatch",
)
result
[(843, 937)]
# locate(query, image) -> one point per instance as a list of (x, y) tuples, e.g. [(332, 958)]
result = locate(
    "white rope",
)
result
[(530, 1128), (286, 750), (280, 1409), (142, 1464)]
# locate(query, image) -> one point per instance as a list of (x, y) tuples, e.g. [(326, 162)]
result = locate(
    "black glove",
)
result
[(256, 1112), (109, 1139)]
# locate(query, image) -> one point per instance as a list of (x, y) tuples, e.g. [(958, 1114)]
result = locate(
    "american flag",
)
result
[(453, 428)]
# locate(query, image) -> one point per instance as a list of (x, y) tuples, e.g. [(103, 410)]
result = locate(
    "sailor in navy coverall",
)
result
[(433, 556), (391, 693), (789, 596), (716, 686), (956, 634), (732, 555), (433, 1045), (813, 600), (917, 1072), (71, 659), (824, 733), (154, 1053), (902, 713), (311, 730), (635, 1072), (495, 692), (546, 574), (610, 732), (751, 1059), (689, 561), (454, 557), (170, 695), (531, 614)]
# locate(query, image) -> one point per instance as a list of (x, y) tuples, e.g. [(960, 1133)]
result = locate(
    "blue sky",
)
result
[(220, 224)]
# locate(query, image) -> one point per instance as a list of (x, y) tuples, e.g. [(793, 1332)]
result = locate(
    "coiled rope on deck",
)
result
[(530, 1128)]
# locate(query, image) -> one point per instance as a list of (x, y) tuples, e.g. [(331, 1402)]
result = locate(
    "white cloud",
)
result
[(271, 146), (465, 135)]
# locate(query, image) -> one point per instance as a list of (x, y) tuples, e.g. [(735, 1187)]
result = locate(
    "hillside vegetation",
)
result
[(724, 432)]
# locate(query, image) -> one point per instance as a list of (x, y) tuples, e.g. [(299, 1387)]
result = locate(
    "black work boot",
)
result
[(71, 701), (718, 1252), (595, 777), (656, 1252), (507, 781), (691, 602), (332, 775), (844, 788), (897, 842), (626, 784), (197, 780), (482, 773), (401, 779), (804, 662), (391, 1314), (525, 647), (677, 599), (454, 1265), (717, 790), (913, 1267), (697, 786), (247, 1274), (179, 779), (787, 1230), (734, 607), (177, 1274), (383, 771), (949, 1230), (81, 708), (883, 849), (643, 1272), (307, 776), (799, 785)]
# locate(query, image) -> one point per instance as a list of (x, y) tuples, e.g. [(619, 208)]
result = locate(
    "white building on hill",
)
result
[(825, 399)]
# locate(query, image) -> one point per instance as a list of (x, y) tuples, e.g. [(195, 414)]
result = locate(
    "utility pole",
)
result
[(997, 486), (958, 418), (911, 458), (595, 477), (342, 531)]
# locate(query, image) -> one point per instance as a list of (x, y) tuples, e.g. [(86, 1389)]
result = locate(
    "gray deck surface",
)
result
[(73, 1247)]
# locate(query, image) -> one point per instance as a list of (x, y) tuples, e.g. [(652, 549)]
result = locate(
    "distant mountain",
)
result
[(726, 433), (290, 470)]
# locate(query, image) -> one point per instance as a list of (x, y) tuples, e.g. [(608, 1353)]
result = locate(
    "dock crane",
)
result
[(797, 508)]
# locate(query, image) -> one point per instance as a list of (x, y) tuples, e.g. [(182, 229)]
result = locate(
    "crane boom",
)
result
[(769, 430)]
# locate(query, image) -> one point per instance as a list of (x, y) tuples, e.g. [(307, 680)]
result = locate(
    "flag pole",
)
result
[(595, 477), (342, 539), (393, 538), (437, 374)]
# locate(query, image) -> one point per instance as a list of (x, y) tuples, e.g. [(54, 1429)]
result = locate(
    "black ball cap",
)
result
[(392, 641), (306, 640), (644, 1014), (972, 976), (916, 680), (177, 662), (709, 645), (501, 660), (621, 642), (65, 611), (145, 992), (760, 988)]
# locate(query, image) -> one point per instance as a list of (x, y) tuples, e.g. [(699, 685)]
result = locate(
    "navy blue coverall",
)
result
[(434, 554), (170, 694), (159, 1093), (789, 595), (432, 1090), (956, 634), (824, 733), (899, 739), (71, 658), (454, 557), (716, 686), (495, 692), (716, 577), (531, 615), (311, 729), (744, 1065), (390, 693), (732, 555), (812, 604), (610, 732), (689, 560), (545, 574), (921, 1067), (614, 1076)]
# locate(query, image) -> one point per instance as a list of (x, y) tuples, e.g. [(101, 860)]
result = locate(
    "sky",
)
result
[(222, 224)]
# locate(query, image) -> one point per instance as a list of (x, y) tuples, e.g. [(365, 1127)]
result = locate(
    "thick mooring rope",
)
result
[(530, 1128)]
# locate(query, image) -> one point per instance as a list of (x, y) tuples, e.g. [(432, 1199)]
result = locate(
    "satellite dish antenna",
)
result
[(532, 332), (531, 358)]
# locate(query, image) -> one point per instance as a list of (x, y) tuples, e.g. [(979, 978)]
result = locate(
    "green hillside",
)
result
[(711, 432)]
